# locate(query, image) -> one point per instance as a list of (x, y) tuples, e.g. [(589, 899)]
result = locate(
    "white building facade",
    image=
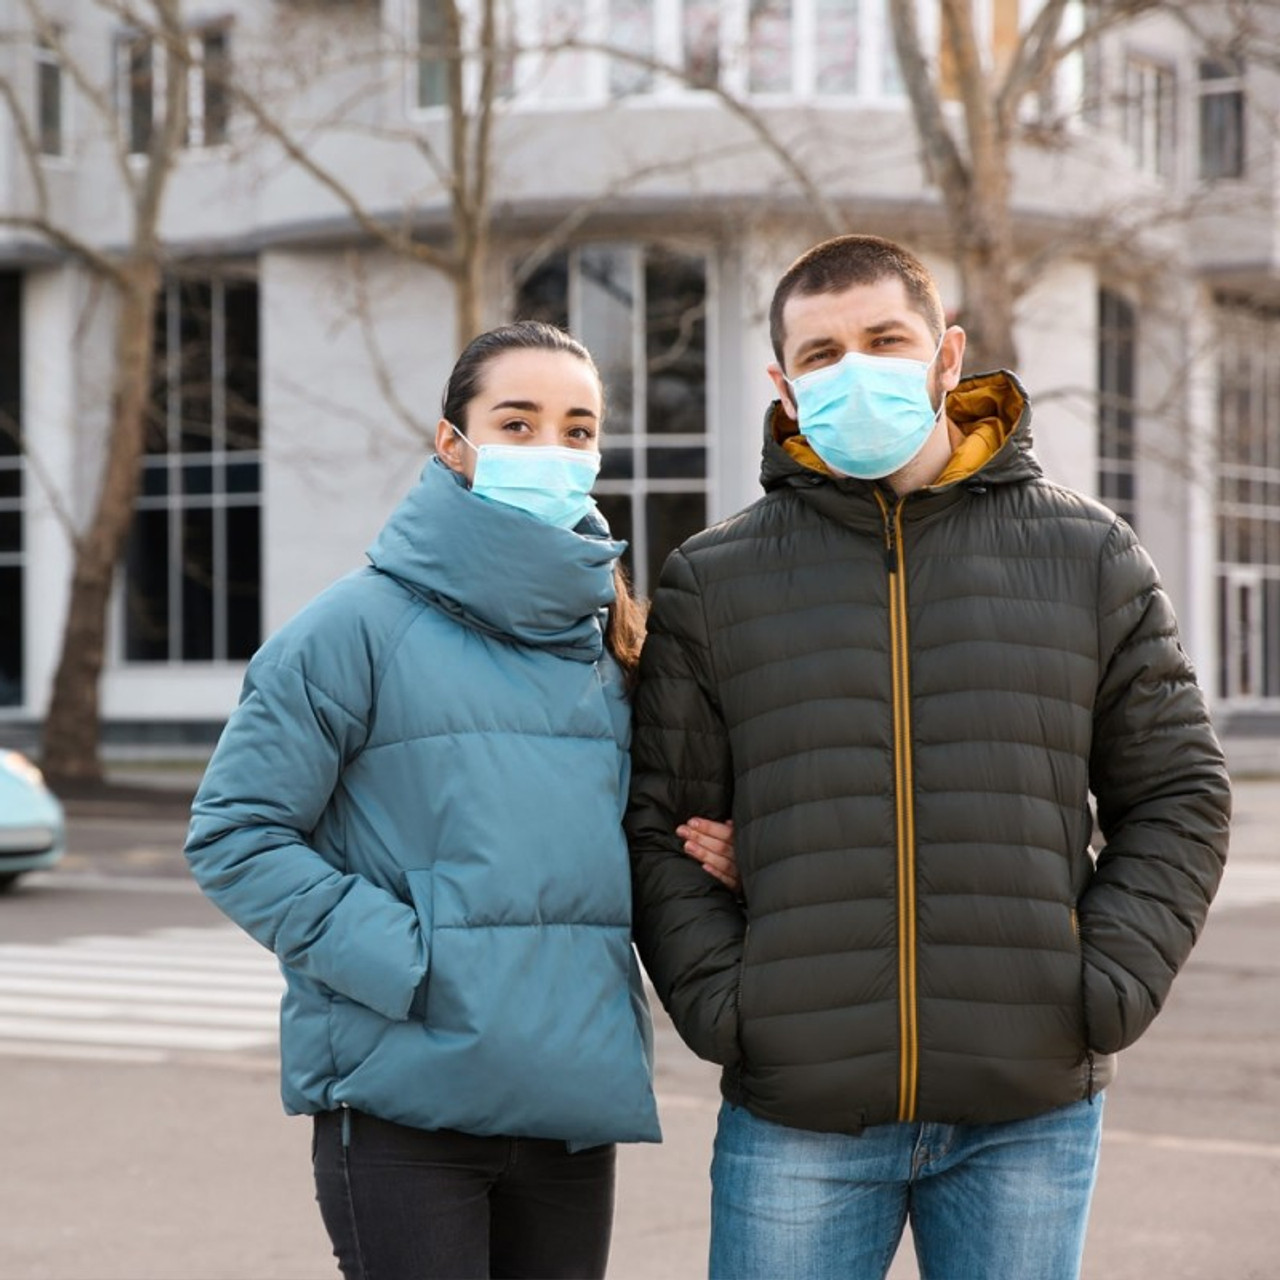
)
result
[(655, 166)]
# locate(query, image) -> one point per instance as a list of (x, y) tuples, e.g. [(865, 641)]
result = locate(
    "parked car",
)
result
[(32, 826)]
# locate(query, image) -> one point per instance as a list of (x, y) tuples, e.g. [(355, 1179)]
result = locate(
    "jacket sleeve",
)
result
[(271, 777), (689, 928), (1164, 804)]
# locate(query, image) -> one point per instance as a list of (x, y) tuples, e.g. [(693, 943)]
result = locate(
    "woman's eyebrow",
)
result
[(532, 406)]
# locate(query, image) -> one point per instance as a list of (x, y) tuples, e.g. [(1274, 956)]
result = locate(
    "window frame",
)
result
[(1150, 120), (15, 556), (1247, 507), (45, 60), (636, 444), (177, 500), (1214, 90), (1117, 426), (193, 140), (534, 59)]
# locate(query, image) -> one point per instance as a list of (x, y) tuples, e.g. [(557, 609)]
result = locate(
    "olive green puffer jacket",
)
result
[(904, 706)]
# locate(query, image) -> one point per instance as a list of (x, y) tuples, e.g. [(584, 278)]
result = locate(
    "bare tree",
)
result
[(463, 169), (972, 167), (133, 274), (970, 154)]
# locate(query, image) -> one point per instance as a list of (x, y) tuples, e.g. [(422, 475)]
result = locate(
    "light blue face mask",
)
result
[(867, 416), (550, 482)]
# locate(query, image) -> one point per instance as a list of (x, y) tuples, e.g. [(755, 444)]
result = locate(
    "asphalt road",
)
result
[(144, 1137)]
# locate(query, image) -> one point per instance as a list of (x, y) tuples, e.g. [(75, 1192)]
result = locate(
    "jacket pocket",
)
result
[(1086, 1050), (420, 884)]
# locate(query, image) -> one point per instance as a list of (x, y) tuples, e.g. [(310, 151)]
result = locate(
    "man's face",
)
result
[(873, 319)]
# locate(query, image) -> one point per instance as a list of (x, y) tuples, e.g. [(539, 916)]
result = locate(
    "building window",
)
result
[(1249, 505), (433, 62), (1150, 115), (1117, 397), (50, 108), (837, 41), (643, 309), (141, 71), (136, 75), (769, 36), (701, 40), (593, 50), (208, 97), (631, 28), (193, 564), (11, 492), (438, 43), (1222, 153), (564, 69)]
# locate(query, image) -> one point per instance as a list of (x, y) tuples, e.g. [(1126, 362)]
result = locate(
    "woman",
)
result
[(417, 807)]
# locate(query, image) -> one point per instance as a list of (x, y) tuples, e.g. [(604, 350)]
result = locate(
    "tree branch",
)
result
[(944, 159)]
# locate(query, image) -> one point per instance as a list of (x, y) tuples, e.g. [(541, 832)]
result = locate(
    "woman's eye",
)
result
[(516, 425), (582, 433)]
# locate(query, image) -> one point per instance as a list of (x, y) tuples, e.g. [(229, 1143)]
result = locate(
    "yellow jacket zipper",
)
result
[(908, 1027)]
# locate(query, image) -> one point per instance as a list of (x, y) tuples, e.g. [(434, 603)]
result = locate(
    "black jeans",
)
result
[(411, 1204)]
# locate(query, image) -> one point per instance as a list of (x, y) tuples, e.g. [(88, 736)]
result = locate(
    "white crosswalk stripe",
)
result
[(1249, 883), (145, 998)]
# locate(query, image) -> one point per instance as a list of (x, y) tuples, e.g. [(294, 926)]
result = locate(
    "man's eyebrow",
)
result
[(895, 324), (810, 344), (532, 406), (886, 326)]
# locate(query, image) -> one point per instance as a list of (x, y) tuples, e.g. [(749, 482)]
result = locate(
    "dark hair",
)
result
[(523, 335), (844, 261), (624, 626)]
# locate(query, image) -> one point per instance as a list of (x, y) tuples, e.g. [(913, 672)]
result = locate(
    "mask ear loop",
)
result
[(457, 470), (942, 399)]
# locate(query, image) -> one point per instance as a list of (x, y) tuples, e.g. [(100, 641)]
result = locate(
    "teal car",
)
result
[(32, 826)]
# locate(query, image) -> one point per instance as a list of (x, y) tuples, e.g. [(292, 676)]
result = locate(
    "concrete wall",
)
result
[(338, 452)]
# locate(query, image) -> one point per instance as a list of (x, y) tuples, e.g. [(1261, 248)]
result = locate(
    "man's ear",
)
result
[(784, 391), (951, 357), (448, 446)]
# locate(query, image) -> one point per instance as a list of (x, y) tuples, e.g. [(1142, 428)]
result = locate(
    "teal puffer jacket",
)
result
[(417, 806)]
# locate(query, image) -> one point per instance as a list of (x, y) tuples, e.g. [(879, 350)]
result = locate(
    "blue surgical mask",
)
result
[(550, 482), (867, 416)]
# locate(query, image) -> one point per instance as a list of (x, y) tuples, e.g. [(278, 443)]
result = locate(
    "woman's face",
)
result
[(527, 397)]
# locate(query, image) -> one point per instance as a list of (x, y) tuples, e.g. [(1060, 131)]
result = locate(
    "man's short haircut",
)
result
[(840, 263)]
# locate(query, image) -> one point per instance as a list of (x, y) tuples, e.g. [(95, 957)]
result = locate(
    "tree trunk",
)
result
[(468, 292), (984, 258), (72, 728)]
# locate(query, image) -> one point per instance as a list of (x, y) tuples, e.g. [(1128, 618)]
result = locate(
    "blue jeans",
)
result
[(986, 1201)]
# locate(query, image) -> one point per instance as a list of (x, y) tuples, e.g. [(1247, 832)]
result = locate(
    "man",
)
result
[(902, 672)]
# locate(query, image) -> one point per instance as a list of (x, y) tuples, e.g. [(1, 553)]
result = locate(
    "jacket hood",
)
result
[(991, 410), (498, 569)]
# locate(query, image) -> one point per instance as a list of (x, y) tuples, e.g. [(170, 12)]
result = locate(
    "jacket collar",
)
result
[(498, 569), (991, 410)]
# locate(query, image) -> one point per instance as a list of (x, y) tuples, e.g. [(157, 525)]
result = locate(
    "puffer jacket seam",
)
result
[(714, 679), (413, 610), (294, 669), (463, 925), (1099, 559)]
